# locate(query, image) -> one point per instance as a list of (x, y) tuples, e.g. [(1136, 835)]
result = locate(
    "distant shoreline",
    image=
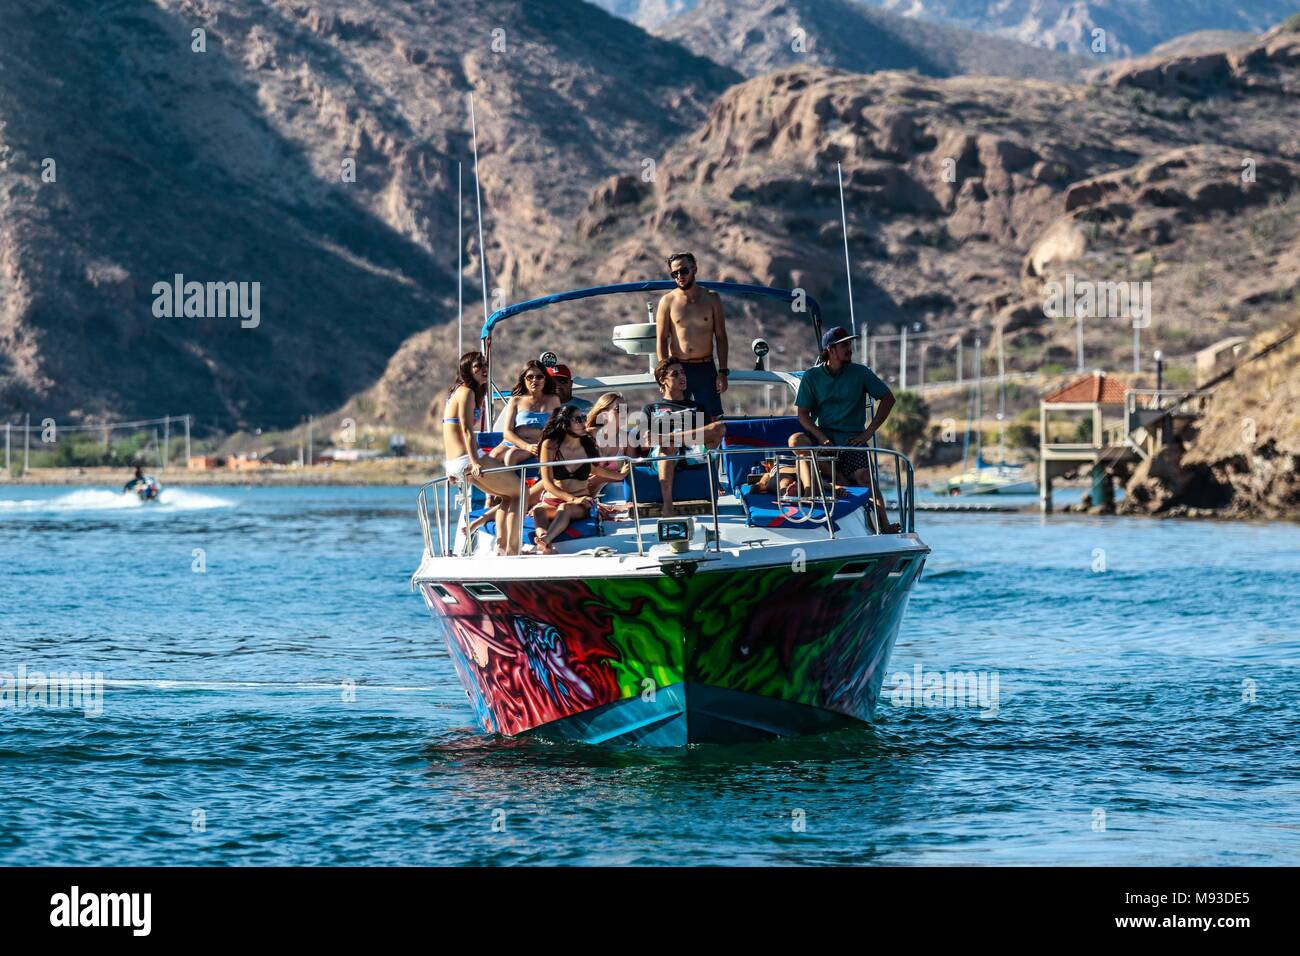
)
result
[(399, 474)]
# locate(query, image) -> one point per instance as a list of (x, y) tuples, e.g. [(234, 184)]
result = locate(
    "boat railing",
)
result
[(438, 492)]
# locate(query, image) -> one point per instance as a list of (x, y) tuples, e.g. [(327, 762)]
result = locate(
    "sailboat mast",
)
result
[(1002, 396), (460, 264), (979, 404)]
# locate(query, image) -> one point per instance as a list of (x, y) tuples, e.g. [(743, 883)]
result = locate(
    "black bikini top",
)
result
[(578, 472)]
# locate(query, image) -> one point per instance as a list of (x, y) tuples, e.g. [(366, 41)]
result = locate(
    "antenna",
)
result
[(848, 272), (460, 265), (478, 195), (482, 249)]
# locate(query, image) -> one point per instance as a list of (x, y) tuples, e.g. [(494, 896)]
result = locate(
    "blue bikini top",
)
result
[(527, 419)]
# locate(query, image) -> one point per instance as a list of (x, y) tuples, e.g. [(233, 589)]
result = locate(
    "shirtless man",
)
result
[(688, 322)]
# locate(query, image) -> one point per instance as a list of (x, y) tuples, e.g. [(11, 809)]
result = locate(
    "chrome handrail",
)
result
[(904, 491)]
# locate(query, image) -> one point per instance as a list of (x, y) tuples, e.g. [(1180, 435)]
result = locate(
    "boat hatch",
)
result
[(902, 567), (485, 592), (854, 570), (442, 592)]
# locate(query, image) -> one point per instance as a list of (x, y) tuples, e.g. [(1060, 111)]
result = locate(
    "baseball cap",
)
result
[(835, 336), (559, 371)]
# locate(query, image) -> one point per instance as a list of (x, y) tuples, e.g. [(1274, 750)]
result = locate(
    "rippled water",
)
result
[(1145, 713)]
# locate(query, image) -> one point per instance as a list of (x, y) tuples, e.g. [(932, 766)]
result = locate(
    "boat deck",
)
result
[(616, 551)]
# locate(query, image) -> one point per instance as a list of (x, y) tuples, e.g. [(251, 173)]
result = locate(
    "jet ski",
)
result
[(146, 488)]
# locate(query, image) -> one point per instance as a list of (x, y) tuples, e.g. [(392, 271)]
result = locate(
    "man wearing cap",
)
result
[(564, 388), (832, 406)]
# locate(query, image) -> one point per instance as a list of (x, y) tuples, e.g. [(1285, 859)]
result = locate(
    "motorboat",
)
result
[(988, 479), (744, 616)]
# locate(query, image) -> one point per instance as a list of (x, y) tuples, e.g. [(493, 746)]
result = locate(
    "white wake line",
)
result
[(161, 684)]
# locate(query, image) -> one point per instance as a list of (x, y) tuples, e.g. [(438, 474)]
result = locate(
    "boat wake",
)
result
[(98, 499)]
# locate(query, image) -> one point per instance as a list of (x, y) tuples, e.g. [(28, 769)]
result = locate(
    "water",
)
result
[(1124, 729)]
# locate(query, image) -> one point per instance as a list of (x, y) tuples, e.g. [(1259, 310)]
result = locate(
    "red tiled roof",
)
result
[(1096, 388)]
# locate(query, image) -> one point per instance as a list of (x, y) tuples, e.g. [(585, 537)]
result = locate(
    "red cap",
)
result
[(560, 371)]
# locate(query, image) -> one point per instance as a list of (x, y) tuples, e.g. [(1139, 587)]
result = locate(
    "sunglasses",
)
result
[(678, 273), (534, 378)]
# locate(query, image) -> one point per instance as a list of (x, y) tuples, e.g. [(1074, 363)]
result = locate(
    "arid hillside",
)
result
[(309, 146)]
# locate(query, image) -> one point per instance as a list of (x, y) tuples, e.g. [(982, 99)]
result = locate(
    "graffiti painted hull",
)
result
[(719, 656)]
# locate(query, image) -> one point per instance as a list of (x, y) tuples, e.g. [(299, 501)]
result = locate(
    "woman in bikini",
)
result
[(532, 401), (565, 495), (461, 416)]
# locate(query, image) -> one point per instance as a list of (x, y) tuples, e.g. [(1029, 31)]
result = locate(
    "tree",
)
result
[(906, 424)]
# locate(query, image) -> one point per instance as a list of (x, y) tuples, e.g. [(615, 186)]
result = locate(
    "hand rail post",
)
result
[(437, 518), (713, 496), (523, 500), (636, 508), (422, 513)]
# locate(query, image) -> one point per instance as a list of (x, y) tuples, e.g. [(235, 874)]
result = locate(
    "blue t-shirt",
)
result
[(838, 403)]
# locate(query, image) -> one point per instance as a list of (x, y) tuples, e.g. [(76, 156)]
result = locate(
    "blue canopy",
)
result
[(814, 310)]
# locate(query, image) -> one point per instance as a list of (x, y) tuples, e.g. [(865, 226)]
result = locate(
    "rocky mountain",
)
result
[(305, 145), (970, 198), (1131, 26), (648, 14), (1241, 457), (759, 36)]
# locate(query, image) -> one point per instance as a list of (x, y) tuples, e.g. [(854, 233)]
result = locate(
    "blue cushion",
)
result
[(759, 434), (765, 512), (584, 528), (689, 484)]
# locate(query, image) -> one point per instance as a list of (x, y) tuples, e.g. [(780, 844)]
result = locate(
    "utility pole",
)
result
[(187, 441), (959, 361), (921, 382), (311, 451), (6, 449), (1078, 341), (27, 441), (902, 359), (1137, 348)]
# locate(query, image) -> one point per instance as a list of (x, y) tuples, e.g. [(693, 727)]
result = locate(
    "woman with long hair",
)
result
[(532, 401), (565, 495), (461, 415), (607, 423)]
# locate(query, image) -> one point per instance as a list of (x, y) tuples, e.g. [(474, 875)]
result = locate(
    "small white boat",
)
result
[(988, 479), (754, 617)]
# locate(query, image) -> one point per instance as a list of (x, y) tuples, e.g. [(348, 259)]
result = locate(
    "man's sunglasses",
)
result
[(678, 273)]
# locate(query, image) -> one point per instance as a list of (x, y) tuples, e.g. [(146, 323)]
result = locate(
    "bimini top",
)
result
[(811, 308)]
